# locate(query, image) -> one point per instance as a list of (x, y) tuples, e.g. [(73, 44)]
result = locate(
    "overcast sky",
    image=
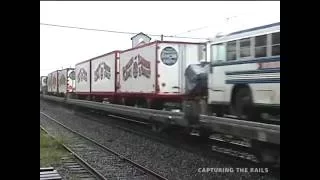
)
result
[(63, 47)]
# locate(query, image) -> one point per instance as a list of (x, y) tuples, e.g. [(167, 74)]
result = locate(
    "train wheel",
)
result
[(219, 111), (191, 113), (149, 103), (242, 105), (123, 101)]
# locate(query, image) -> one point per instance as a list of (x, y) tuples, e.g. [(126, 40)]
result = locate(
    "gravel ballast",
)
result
[(166, 160)]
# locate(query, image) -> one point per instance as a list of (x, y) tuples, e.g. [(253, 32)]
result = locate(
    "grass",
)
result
[(51, 151)]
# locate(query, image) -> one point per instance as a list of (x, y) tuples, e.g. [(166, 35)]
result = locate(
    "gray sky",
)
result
[(63, 47)]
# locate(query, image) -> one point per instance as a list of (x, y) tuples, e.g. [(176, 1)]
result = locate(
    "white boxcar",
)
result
[(54, 85), (66, 80), (49, 82), (158, 67), (53, 82), (43, 83), (103, 73), (83, 77)]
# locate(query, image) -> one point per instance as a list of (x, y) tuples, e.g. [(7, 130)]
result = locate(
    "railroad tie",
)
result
[(49, 174)]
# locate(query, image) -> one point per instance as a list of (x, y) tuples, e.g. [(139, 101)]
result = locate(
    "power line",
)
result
[(61, 67), (197, 29), (227, 19), (119, 32), (89, 29)]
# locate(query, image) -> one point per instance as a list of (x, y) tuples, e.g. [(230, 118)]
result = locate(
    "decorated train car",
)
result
[(96, 79), (53, 83), (152, 74), (104, 76), (43, 84), (49, 82), (66, 81), (82, 71)]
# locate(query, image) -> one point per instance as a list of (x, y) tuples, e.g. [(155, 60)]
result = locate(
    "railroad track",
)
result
[(118, 165), (218, 147), (206, 147), (77, 165)]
